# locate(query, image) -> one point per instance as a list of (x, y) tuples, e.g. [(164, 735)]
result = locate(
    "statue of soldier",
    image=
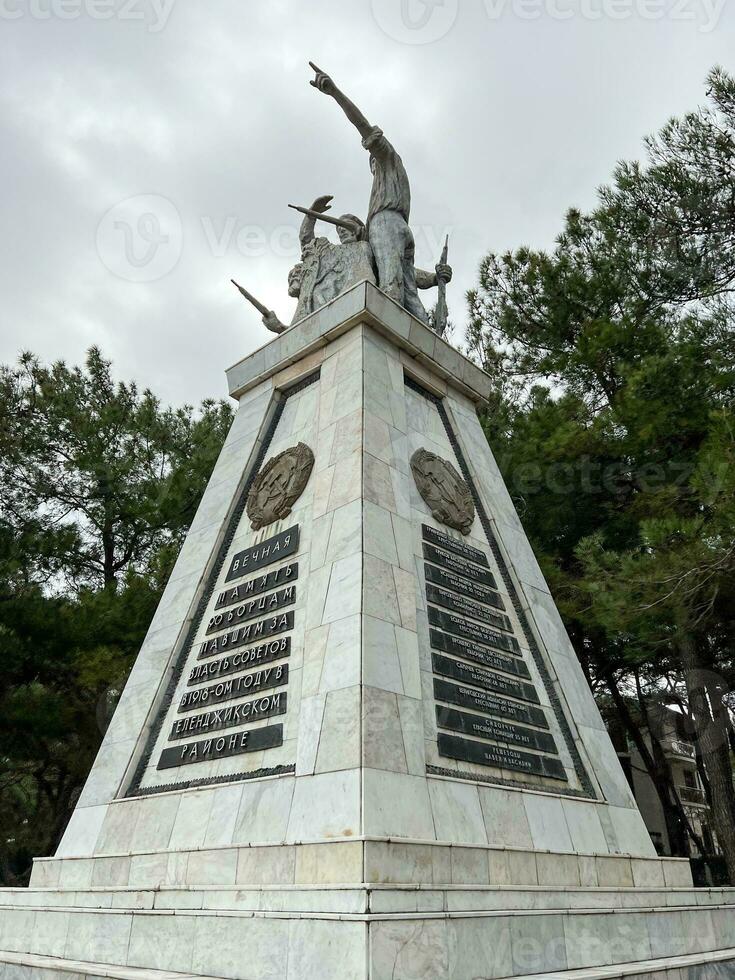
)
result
[(270, 317), (325, 269), (389, 234)]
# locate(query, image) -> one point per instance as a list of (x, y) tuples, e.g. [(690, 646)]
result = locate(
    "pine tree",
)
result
[(614, 357), (98, 485)]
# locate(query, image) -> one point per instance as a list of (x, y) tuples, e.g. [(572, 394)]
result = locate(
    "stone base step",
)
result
[(276, 945), (23, 966), (718, 965), (346, 861), (702, 966), (368, 899)]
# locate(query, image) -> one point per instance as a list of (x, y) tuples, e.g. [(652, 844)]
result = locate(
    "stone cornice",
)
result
[(363, 303)]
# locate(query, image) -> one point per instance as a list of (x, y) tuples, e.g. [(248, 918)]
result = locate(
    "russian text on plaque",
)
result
[(465, 750), (467, 622), (459, 647), (250, 657), (466, 607), (252, 608), (451, 623), (480, 726), (486, 679), (231, 716), (458, 566), (465, 697), (255, 586), (237, 687), (272, 549), (451, 544), (222, 747), (242, 635), (466, 587)]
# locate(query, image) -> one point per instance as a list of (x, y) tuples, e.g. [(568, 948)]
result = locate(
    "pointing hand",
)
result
[(322, 81)]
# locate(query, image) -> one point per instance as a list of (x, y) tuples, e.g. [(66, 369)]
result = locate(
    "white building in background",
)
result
[(679, 750)]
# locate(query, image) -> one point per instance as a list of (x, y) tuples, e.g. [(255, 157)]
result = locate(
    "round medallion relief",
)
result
[(279, 485), (444, 490)]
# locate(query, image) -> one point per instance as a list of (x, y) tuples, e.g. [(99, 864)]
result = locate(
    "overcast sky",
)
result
[(150, 149)]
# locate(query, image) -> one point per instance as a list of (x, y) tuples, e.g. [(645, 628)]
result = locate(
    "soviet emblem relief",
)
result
[(444, 490), (279, 485)]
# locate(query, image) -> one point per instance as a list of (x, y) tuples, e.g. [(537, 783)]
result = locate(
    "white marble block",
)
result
[(356, 741)]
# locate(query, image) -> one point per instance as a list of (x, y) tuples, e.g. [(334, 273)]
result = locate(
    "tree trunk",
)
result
[(714, 746), (108, 557)]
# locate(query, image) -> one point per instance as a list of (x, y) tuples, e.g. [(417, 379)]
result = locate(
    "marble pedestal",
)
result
[(420, 785)]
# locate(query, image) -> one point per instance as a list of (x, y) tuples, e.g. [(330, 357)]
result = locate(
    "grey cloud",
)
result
[(503, 123)]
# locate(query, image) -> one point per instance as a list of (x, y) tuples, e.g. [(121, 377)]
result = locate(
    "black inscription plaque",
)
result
[(222, 747), (248, 633), (466, 607), (258, 585), (237, 687), (252, 608), (487, 680), (499, 757), (272, 549), (462, 606), (479, 655), (500, 731), (448, 580), (458, 547), (465, 697), (472, 631), (233, 716), (459, 566), (254, 656)]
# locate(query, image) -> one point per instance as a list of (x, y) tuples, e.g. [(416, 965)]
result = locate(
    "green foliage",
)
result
[(97, 471), (613, 422), (98, 485), (659, 246)]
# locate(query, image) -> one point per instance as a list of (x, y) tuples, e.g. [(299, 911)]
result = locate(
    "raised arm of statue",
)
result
[(308, 225), (324, 83)]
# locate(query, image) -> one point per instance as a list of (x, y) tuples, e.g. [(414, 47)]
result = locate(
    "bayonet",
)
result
[(338, 222), (441, 313), (263, 310)]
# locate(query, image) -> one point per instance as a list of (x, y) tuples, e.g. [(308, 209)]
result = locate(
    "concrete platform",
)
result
[(711, 966), (403, 932)]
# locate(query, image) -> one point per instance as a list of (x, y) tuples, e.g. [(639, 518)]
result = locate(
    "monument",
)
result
[(356, 742)]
